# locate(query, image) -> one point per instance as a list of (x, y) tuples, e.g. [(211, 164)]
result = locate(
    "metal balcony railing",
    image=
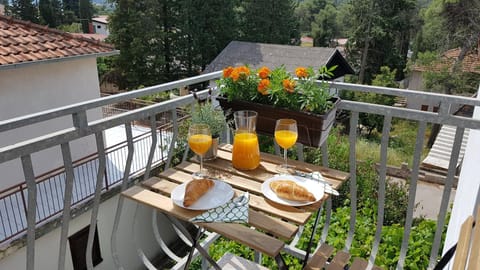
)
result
[(80, 128)]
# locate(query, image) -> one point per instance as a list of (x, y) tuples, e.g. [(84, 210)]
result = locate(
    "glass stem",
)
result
[(285, 157), (201, 164)]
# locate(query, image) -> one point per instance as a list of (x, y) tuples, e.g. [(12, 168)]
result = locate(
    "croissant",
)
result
[(196, 189), (290, 190)]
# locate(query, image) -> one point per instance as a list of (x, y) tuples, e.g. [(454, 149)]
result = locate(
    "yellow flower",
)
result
[(301, 72), (288, 85), (264, 72), (227, 72), (263, 86)]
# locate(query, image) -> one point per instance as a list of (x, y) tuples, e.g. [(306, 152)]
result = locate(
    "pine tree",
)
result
[(85, 14), (208, 26), (50, 12), (24, 10), (71, 11), (269, 21)]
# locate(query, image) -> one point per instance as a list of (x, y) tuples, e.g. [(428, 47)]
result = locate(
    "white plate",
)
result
[(220, 194), (316, 188)]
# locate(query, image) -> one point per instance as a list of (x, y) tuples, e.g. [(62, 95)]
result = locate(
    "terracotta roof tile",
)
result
[(471, 62), (22, 42)]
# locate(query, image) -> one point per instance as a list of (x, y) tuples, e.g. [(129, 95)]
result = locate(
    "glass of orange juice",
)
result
[(286, 134), (199, 140)]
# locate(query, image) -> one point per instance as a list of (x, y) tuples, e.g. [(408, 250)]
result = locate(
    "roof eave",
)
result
[(60, 59)]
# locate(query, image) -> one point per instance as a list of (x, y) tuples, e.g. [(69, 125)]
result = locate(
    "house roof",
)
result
[(257, 55), (471, 62), (94, 36), (101, 19), (24, 42)]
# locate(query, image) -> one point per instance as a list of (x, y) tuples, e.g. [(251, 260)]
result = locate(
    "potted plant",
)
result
[(277, 94), (204, 112)]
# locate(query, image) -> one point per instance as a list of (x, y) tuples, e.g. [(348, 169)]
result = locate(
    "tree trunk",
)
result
[(363, 63)]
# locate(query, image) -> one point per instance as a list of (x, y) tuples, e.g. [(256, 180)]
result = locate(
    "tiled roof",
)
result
[(471, 62), (25, 42), (99, 37)]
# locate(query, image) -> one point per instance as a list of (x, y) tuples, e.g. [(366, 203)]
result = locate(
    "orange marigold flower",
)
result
[(227, 71), (301, 72), (288, 85), (263, 86), (244, 70), (263, 72), (235, 74)]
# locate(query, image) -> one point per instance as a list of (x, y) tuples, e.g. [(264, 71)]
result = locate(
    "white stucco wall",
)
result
[(468, 191), (415, 82), (100, 28), (47, 246), (39, 87)]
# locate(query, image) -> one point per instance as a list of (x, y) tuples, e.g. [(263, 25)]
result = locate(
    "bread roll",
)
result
[(196, 189), (290, 190)]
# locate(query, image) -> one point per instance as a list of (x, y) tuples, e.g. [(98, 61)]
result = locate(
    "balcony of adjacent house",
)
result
[(394, 210)]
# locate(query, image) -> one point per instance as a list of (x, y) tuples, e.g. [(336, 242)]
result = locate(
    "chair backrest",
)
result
[(468, 247)]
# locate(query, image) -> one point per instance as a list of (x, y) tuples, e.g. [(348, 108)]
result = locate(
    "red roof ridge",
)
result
[(55, 31), (35, 38)]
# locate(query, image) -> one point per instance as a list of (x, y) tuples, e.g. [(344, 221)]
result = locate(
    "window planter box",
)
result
[(313, 128)]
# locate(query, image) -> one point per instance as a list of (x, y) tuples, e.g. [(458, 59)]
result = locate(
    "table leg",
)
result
[(281, 262), (195, 243), (310, 242)]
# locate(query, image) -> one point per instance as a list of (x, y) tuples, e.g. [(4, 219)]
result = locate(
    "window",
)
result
[(99, 26), (78, 247)]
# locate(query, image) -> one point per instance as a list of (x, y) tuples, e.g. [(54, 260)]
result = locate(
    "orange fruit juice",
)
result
[(246, 153), (200, 143), (286, 138)]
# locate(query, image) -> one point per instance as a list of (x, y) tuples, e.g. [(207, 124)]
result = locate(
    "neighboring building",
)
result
[(257, 55), (100, 25), (41, 69), (471, 64)]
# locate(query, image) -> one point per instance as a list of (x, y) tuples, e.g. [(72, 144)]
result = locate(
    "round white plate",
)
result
[(316, 188), (220, 194)]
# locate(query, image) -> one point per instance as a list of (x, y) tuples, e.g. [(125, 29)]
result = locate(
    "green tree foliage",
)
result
[(306, 12), (432, 34), (372, 122), (72, 5), (50, 12), (318, 19), (208, 27), (23, 10), (379, 34), (85, 14), (165, 40), (324, 28), (71, 28), (269, 21), (141, 35)]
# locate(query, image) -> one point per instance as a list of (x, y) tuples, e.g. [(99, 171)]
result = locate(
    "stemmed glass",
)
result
[(286, 134), (199, 140)]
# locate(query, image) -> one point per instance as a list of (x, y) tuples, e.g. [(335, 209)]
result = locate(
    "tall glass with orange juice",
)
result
[(286, 134), (199, 140), (246, 151)]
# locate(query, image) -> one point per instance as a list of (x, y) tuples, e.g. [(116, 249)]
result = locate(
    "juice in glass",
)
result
[(246, 152), (200, 143), (286, 138)]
